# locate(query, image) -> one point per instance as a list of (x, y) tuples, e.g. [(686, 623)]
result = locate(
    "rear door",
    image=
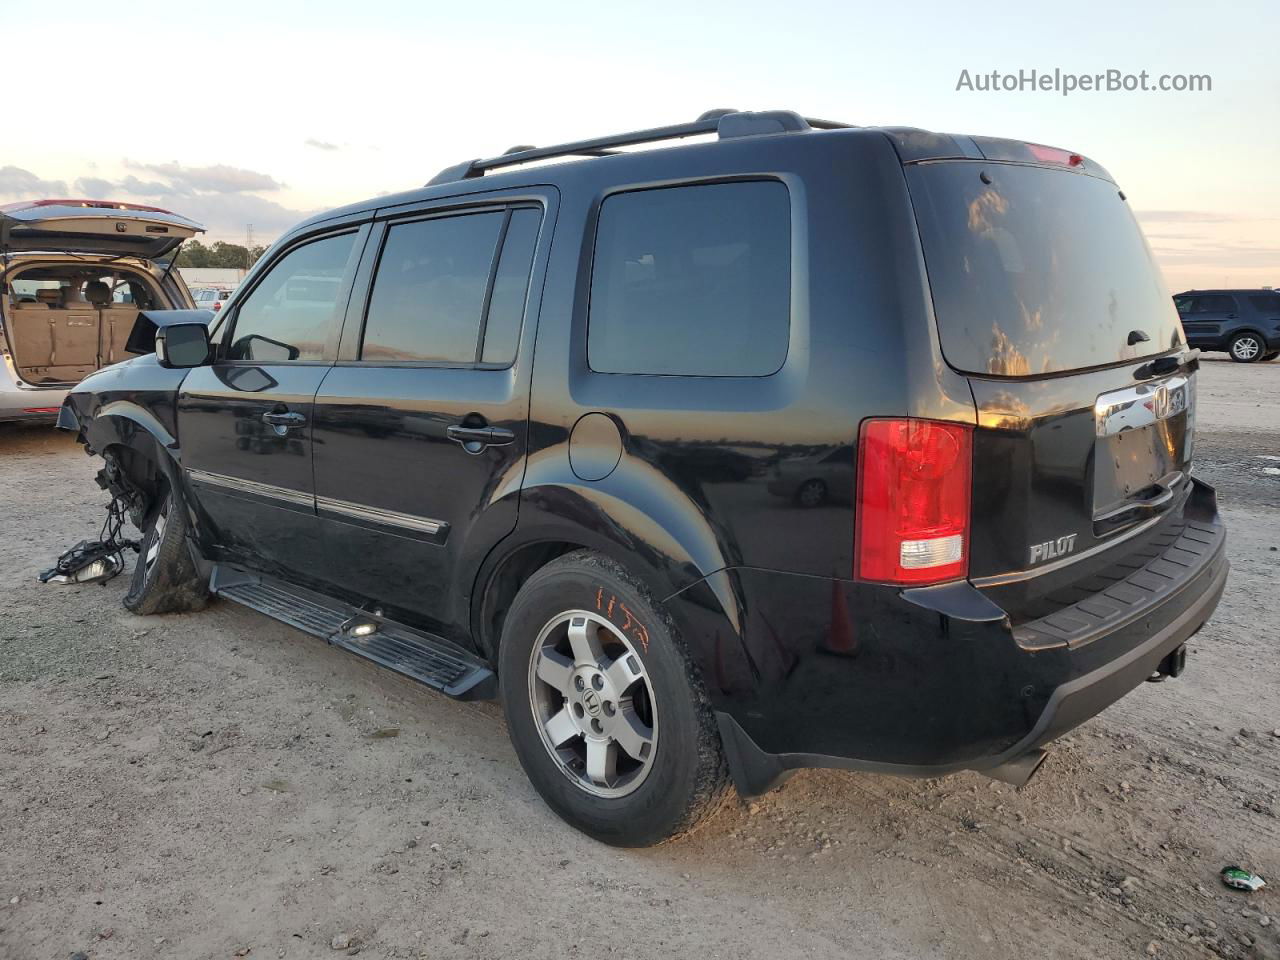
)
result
[(421, 427), (1047, 298), (245, 421), (1207, 315)]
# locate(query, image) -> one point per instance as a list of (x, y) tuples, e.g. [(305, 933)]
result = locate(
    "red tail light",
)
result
[(913, 501)]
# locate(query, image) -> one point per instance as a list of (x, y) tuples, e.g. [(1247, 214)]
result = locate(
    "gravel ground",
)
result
[(218, 785)]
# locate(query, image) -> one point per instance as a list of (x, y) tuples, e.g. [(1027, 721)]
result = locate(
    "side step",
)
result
[(428, 659)]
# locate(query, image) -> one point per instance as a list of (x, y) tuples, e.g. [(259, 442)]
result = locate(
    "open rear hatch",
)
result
[(1047, 299), (92, 227)]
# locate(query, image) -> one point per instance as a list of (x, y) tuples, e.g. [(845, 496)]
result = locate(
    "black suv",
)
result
[(1244, 323), (520, 434)]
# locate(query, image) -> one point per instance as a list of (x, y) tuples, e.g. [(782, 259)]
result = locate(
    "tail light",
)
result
[(913, 501)]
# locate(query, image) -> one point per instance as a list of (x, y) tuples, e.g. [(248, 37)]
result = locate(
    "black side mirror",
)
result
[(183, 345)]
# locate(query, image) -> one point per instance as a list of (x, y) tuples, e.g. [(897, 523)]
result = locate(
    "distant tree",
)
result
[(193, 254), (229, 255), (221, 254)]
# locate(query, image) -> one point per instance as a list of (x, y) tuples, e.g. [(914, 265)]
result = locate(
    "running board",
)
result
[(418, 655)]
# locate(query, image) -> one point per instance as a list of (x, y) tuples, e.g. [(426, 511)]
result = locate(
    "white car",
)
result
[(74, 275), (210, 298)]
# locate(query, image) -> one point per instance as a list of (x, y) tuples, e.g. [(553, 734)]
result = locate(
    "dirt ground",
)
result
[(217, 785)]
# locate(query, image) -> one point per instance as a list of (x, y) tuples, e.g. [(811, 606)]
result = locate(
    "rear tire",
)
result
[(1246, 347), (1270, 356), (605, 708), (165, 578)]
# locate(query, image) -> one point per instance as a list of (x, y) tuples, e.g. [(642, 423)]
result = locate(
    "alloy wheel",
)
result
[(593, 703), (1246, 348), (154, 540)]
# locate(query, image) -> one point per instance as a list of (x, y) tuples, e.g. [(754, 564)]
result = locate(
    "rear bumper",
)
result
[(20, 401), (986, 710)]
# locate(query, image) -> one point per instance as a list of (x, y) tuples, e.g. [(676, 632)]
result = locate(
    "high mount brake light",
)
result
[(1053, 155), (913, 501)]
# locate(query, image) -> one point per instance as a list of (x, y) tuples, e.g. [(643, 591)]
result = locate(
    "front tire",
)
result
[(165, 578), (1246, 347), (605, 708)]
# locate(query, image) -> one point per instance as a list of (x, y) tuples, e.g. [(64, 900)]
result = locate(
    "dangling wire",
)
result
[(108, 548)]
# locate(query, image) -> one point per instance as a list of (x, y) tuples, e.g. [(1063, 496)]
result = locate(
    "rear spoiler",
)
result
[(921, 146), (142, 338)]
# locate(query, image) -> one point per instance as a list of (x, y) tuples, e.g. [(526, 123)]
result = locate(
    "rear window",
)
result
[(1266, 303), (1036, 271)]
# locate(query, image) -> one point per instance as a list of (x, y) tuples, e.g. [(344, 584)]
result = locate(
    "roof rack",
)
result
[(726, 123)]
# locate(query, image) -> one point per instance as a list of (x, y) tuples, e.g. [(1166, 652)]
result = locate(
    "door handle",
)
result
[(286, 420), (475, 439)]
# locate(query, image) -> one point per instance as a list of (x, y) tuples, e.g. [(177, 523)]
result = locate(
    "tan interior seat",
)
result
[(117, 322), (52, 343)]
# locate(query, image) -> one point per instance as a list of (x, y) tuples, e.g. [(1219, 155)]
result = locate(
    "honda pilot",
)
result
[(547, 433)]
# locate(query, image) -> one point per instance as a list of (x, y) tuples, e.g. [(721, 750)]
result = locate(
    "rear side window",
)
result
[(441, 286), (1266, 303), (1215, 303), (1035, 271), (290, 313), (692, 281)]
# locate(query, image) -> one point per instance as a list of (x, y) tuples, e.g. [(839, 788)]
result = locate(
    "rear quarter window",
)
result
[(692, 281)]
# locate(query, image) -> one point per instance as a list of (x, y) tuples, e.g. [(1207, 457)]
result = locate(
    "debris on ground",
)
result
[(1240, 879)]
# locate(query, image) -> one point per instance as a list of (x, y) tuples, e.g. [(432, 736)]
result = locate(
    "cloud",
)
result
[(219, 197), (320, 144), (219, 178), (1192, 216), (96, 188), (19, 184), (1216, 256)]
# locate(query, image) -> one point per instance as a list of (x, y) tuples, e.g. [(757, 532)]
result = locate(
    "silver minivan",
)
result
[(73, 276)]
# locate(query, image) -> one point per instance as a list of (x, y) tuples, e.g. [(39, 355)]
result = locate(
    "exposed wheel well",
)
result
[(505, 582), (136, 472), (1251, 332)]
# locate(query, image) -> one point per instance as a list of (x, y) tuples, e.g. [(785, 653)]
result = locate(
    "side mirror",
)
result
[(183, 345)]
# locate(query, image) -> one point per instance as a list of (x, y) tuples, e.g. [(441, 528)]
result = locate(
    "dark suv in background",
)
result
[(1244, 323), (546, 433)]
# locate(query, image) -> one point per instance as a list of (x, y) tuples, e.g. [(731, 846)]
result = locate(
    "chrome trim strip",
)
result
[(378, 515), (270, 491)]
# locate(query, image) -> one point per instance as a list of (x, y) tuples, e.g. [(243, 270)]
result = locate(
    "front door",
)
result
[(420, 428), (245, 421)]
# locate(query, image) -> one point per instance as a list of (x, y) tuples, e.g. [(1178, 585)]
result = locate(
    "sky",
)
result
[(262, 113)]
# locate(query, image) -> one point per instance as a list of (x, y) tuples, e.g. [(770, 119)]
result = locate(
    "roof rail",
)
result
[(727, 124)]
